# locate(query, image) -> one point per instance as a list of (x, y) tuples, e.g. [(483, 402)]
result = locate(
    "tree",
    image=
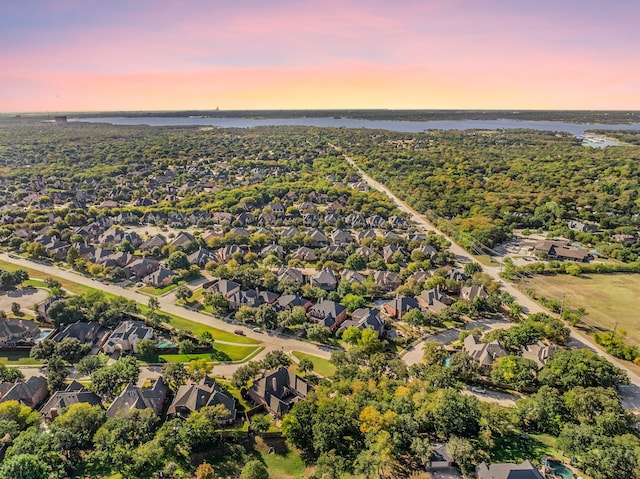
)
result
[(455, 414), (218, 303), (318, 333), (544, 411), (464, 367), (89, 364), (72, 255), (580, 367), (178, 260), (9, 374), (260, 423), (23, 466), (36, 250), (175, 375), (205, 471), (186, 346), (77, 424), (305, 365), (109, 380), (145, 349), (198, 369), (254, 470), (244, 374), (422, 449), (462, 452), (472, 268), (353, 302), (275, 359), (71, 350), (183, 292), (266, 316), (15, 308), (57, 372), (433, 353), (153, 305), (514, 371), (355, 262)]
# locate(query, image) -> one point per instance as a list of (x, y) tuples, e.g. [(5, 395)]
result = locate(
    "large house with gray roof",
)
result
[(279, 390), (193, 397)]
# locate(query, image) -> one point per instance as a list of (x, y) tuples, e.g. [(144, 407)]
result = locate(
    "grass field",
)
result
[(608, 298), (320, 365), (199, 328), (221, 352), (158, 291), (17, 358)]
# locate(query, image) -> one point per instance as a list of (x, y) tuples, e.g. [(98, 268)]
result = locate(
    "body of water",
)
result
[(577, 129)]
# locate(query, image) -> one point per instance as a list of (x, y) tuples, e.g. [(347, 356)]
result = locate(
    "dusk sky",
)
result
[(78, 55)]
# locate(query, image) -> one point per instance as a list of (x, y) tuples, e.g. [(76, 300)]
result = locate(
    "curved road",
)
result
[(631, 394), (166, 304)]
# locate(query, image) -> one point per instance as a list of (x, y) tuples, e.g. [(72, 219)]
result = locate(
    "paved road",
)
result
[(529, 305), (270, 342)]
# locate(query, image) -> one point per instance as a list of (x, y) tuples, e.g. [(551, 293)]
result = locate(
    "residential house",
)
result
[(341, 237), (365, 252), (30, 392), (473, 292), (434, 300), (328, 313), (324, 279), (183, 239), (277, 208), (539, 352), (310, 219), (420, 276), (389, 251), (306, 207), (273, 249), (224, 287), (290, 301), (289, 232), (74, 394), (133, 397), (626, 240), (290, 274), (331, 219), (397, 307), (160, 278), (126, 335), (560, 251), (239, 231), (278, 391), (524, 470), (387, 280), (318, 237), (156, 241), (141, 267), (17, 332), (355, 220), (84, 332), (429, 251), (366, 233), (225, 253), (246, 219), (376, 221), (397, 222), (581, 227), (201, 257), (222, 218), (456, 275), (193, 397), (352, 276), (484, 353), (304, 254), (366, 318)]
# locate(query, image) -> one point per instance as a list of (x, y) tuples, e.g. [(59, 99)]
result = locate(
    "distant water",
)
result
[(577, 129)]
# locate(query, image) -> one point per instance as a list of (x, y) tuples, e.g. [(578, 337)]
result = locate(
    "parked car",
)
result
[(256, 330), (479, 390), (239, 332)]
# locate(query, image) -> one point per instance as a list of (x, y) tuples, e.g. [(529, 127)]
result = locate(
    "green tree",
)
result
[(218, 303), (260, 423), (514, 371), (318, 333), (183, 292), (455, 414), (197, 369), (186, 346), (433, 353), (89, 364), (355, 262), (77, 424), (580, 367), (175, 375), (145, 349), (305, 365), (353, 301), (254, 470), (23, 466), (178, 260), (9, 374)]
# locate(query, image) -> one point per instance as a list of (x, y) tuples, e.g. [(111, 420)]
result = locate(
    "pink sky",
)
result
[(73, 55)]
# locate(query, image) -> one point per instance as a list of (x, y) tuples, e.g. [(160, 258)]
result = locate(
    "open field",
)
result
[(221, 353), (320, 365), (17, 358), (608, 298)]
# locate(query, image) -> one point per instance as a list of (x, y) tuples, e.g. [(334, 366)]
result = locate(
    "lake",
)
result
[(577, 129)]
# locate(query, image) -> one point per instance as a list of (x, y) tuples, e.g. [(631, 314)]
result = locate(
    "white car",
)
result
[(479, 390), (256, 330)]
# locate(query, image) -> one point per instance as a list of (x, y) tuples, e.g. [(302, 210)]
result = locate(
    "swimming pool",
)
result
[(561, 470)]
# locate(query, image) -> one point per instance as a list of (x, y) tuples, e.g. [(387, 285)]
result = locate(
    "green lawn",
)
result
[(516, 449), (158, 291), (221, 352), (17, 358), (199, 328), (285, 465), (608, 298), (36, 283), (320, 365)]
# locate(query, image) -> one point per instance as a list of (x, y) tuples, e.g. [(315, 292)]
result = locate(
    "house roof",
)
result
[(193, 397), (279, 389), (133, 397), (524, 470), (23, 391), (74, 394)]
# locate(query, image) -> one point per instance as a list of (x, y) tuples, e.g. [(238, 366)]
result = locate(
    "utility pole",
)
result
[(614, 330), (562, 306)]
